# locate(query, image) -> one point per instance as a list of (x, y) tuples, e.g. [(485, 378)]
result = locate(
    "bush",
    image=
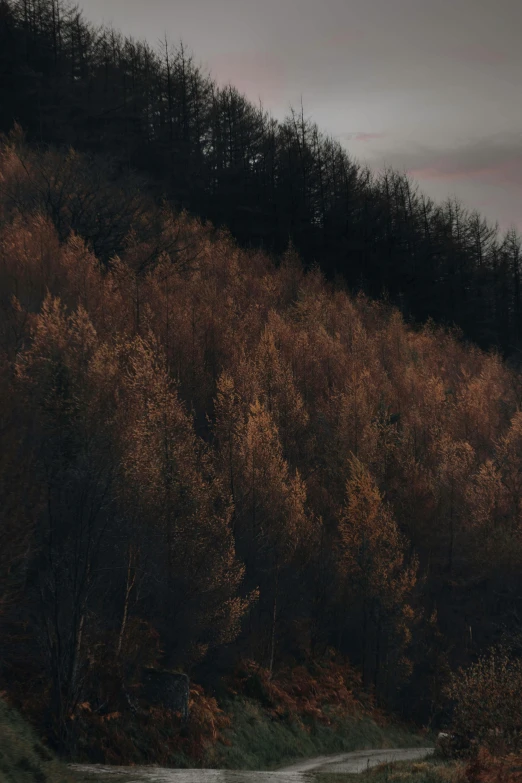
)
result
[(487, 698)]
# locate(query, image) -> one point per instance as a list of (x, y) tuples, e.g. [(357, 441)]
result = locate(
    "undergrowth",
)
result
[(431, 770), (483, 767), (259, 722), (23, 758), (301, 712), (260, 741)]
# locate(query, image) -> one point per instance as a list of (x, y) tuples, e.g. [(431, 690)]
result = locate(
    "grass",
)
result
[(432, 770), (23, 758), (255, 740), (258, 741)]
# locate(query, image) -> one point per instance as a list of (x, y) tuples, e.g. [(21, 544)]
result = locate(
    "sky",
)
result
[(429, 87)]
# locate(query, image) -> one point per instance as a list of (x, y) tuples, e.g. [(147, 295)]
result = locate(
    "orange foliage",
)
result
[(161, 735), (189, 426), (486, 768), (487, 698), (324, 691)]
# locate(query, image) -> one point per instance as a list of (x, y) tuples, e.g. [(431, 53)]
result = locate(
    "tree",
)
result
[(270, 520), (373, 568), (486, 700), (67, 381), (180, 515), (454, 468)]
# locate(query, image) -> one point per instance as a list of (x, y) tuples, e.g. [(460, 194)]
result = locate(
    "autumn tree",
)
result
[(486, 700), (179, 514), (65, 381), (209, 150), (270, 519), (455, 462), (374, 570), (178, 430)]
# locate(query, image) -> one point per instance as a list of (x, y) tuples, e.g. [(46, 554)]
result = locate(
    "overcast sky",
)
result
[(432, 87)]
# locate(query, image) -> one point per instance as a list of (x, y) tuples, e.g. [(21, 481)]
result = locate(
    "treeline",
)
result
[(211, 151), (208, 456)]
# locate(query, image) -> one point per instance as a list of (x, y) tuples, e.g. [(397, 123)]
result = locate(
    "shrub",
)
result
[(487, 698)]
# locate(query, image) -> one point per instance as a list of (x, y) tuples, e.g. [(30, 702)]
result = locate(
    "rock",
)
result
[(167, 689)]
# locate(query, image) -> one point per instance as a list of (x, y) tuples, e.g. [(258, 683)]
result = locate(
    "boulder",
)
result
[(167, 689)]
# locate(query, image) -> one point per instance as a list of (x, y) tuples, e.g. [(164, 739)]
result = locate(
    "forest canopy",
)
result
[(258, 405), (208, 149), (210, 455)]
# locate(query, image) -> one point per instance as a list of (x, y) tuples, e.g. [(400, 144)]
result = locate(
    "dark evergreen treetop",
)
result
[(209, 150)]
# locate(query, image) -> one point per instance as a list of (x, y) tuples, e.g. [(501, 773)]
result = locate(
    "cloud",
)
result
[(343, 38), (484, 174), (475, 53), (362, 136), (251, 73), (493, 160), (508, 172)]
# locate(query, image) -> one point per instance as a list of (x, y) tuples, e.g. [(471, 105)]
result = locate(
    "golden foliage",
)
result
[(487, 697), (249, 431), (326, 691)]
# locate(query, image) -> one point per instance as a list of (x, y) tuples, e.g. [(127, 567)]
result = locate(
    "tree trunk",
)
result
[(131, 579), (273, 629)]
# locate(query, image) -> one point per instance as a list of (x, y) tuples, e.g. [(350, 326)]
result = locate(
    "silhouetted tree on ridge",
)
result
[(209, 150)]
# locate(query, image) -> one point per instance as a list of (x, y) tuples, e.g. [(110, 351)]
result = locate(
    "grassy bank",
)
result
[(258, 722), (299, 713), (257, 740), (254, 740), (432, 770), (23, 758), (255, 720)]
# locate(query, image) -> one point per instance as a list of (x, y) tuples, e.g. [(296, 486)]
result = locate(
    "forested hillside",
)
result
[(209, 150), (241, 434), (209, 457)]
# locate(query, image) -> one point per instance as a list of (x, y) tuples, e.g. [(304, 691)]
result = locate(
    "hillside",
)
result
[(211, 456)]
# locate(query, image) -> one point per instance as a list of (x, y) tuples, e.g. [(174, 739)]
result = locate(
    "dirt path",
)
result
[(297, 773), (359, 760)]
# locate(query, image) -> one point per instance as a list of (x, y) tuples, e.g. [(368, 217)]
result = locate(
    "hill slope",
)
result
[(210, 457), (209, 150), (23, 758)]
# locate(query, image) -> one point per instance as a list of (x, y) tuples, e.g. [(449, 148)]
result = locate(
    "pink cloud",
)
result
[(345, 37), (251, 73), (477, 54), (362, 136), (368, 136), (508, 172), (432, 172)]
